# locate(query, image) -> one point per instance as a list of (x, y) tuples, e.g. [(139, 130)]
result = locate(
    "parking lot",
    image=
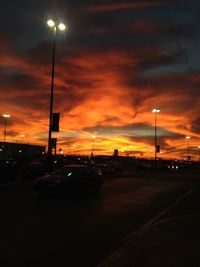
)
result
[(78, 230)]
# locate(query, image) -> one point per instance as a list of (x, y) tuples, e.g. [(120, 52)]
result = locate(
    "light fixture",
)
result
[(62, 26), (156, 110), (50, 23), (6, 115)]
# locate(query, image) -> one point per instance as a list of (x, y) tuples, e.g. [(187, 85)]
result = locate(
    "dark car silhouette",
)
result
[(68, 179)]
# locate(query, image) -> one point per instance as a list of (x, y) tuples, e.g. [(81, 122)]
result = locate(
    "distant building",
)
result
[(116, 153), (20, 151)]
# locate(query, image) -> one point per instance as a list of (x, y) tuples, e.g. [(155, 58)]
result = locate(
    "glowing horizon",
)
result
[(111, 71)]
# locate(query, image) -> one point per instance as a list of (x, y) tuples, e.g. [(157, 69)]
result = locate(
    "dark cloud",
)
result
[(117, 60), (162, 139), (19, 84), (31, 103), (196, 125), (160, 59), (12, 133), (137, 130)]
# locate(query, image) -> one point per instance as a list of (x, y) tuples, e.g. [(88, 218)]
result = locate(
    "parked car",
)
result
[(68, 179)]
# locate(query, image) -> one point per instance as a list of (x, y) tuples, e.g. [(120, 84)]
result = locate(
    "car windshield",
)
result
[(77, 170)]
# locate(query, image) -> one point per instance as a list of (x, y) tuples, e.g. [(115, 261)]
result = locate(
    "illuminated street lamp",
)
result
[(5, 116), (61, 27), (22, 136), (93, 137), (188, 144), (155, 111), (74, 146)]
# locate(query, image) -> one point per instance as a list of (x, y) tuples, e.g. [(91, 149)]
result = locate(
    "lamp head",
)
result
[(156, 110), (6, 115), (61, 26), (50, 23)]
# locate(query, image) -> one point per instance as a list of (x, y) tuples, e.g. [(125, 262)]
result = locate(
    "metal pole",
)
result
[(51, 96), (188, 149), (155, 138), (93, 147), (4, 131)]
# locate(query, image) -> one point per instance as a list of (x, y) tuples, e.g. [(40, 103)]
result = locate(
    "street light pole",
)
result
[(61, 26), (93, 137), (22, 136), (52, 93), (155, 111), (5, 126), (188, 154), (74, 145), (4, 139)]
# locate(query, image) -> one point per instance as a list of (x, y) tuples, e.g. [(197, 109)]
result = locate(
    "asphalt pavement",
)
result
[(170, 239), (91, 230)]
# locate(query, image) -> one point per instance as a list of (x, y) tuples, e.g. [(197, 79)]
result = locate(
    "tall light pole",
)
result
[(188, 143), (93, 137), (155, 111), (22, 136), (61, 27), (74, 146), (6, 116)]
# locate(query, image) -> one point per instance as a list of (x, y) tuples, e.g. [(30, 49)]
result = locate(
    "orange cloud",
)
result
[(109, 94)]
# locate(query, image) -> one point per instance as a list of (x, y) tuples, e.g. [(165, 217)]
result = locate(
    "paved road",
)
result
[(77, 230), (172, 238)]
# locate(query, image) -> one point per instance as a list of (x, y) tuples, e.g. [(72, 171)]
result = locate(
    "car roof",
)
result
[(74, 166)]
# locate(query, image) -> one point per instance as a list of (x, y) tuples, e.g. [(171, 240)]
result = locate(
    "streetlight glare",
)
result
[(62, 26), (50, 23), (156, 110), (6, 115), (187, 137)]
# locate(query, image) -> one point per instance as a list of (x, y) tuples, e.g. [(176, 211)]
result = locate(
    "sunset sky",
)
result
[(116, 62)]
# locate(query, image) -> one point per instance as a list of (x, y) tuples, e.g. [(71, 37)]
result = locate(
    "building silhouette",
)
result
[(20, 151)]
